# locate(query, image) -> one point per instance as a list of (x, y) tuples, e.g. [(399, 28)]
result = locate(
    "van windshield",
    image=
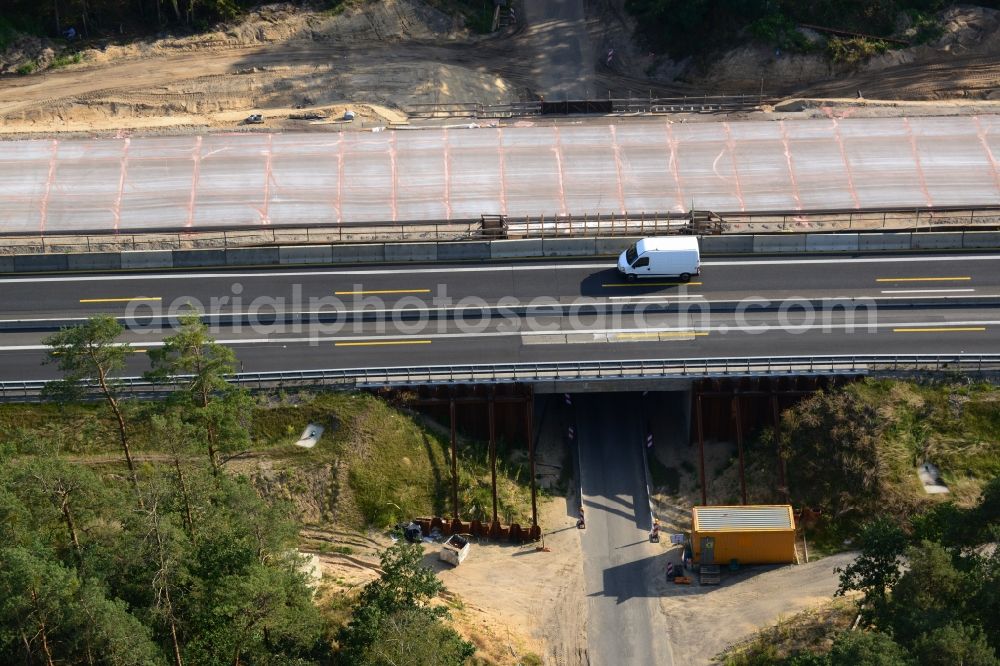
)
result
[(631, 255)]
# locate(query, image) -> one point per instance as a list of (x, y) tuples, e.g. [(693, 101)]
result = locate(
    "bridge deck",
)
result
[(200, 182)]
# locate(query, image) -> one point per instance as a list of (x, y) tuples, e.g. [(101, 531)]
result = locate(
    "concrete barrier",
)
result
[(463, 251), (253, 256), (775, 244), (358, 254), (148, 259), (940, 240), (726, 244), (981, 239), (305, 254), (832, 243), (513, 249), (881, 241), (613, 246), (569, 247), (411, 252), (199, 258), (95, 261), (486, 250), (40, 263)]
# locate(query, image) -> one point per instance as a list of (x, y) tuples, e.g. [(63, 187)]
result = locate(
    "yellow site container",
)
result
[(756, 534)]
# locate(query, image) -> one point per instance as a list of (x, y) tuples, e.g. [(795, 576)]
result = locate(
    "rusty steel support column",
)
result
[(529, 408), (454, 461), (782, 479), (701, 450), (738, 418), (493, 451)]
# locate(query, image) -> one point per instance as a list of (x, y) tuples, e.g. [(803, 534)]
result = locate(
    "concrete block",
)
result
[(305, 254), (358, 254), (981, 239), (735, 244), (789, 243), (463, 250), (95, 261), (877, 241), (7, 264), (411, 252), (832, 242), (253, 256), (148, 259), (39, 263), (199, 258), (613, 246), (937, 240), (569, 247), (513, 249)]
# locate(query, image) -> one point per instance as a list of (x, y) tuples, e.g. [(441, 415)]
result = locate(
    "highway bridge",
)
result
[(587, 167), (570, 311)]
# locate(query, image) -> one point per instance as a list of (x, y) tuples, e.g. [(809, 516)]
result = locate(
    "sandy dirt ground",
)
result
[(378, 58), (508, 600), (703, 621)]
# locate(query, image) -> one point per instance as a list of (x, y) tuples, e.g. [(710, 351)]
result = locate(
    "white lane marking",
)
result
[(924, 291), (852, 260), (751, 301), (756, 328), (652, 299), (272, 273), (484, 269)]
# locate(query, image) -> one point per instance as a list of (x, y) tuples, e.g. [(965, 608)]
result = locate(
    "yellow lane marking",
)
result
[(120, 300), (381, 342), (657, 336), (127, 351), (924, 279), (649, 284), (953, 329), (382, 291)]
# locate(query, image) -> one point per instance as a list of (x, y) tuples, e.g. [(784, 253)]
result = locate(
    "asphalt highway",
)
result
[(620, 565), (529, 312)]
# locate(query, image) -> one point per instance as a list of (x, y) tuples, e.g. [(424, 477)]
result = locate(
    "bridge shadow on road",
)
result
[(647, 578)]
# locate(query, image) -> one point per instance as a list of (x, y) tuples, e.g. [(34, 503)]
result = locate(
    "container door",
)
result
[(708, 550)]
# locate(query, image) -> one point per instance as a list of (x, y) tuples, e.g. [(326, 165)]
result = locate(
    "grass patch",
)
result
[(798, 635), (477, 14), (853, 452), (852, 51), (396, 468), (27, 68), (66, 59), (338, 7)]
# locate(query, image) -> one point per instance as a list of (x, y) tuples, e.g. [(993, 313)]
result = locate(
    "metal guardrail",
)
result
[(503, 373), (504, 226), (619, 105), (234, 237)]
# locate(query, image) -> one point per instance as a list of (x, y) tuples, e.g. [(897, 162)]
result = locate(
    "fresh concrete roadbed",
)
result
[(255, 180)]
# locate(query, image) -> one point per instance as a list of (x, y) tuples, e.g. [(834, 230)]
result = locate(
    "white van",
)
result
[(669, 256)]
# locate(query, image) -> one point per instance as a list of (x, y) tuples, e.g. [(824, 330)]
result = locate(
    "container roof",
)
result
[(749, 518)]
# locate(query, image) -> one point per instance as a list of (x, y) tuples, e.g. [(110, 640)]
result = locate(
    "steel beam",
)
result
[(454, 462), (738, 418), (701, 451)]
